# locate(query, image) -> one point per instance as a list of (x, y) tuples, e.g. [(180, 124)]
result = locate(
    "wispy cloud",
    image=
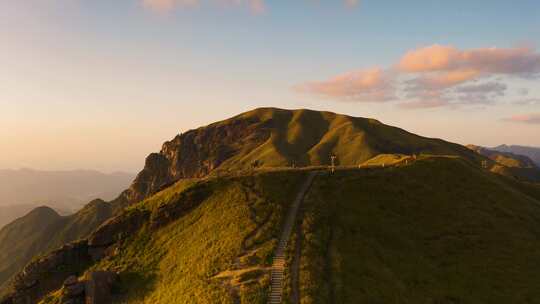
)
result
[(164, 6), (352, 3), (168, 5), (521, 61), (528, 102), (436, 76), (369, 85), (533, 118), (255, 6)]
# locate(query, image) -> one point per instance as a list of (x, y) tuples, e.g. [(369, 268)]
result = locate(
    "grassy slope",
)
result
[(409, 235), (307, 138), (509, 164), (178, 263), (19, 234), (43, 230)]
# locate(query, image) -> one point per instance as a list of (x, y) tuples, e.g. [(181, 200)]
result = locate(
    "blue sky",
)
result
[(100, 84)]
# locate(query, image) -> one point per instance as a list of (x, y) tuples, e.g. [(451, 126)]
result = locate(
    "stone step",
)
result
[(279, 261)]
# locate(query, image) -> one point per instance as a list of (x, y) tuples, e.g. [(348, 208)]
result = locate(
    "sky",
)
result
[(101, 84)]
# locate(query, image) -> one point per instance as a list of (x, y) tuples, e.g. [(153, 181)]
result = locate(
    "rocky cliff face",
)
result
[(194, 154)]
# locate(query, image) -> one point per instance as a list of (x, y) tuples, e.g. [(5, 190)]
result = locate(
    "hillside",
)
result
[(434, 230), (42, 230), (510, 164), (437, 231), (531, 152), (9, 213), (260, 139)]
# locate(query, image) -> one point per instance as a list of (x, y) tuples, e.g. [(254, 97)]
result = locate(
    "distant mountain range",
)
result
[(65, 191), (531, 152)]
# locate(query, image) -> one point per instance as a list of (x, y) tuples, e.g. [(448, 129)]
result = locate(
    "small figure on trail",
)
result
[(333, 166)]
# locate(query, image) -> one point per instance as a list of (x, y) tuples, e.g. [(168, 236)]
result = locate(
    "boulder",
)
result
[(71, 280), (75, 290), (98, 287)]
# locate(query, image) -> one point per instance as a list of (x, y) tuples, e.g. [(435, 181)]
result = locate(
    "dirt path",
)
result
[(279, 263)]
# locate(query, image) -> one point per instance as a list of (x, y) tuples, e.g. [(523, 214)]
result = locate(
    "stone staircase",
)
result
[(279, 261)]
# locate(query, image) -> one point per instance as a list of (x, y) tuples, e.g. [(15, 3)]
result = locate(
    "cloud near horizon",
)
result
[(255, 6), (164, 6), (437, 75), (533, 118)]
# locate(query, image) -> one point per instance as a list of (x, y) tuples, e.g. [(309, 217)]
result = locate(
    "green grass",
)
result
[(308, 138), (437, 231), (41, 231), (178, 262)]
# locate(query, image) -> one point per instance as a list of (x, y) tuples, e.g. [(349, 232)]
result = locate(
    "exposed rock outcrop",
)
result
[(98, 287), (195, 154), (48, 273)]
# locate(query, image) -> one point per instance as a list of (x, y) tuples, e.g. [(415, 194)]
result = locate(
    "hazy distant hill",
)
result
[(65, 191), (42, 230), (9, 213), (531, 152), (510, 164), (60, 189)]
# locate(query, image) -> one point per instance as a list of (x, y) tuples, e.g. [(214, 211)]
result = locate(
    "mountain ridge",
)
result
[(510, 164), (531, 152)]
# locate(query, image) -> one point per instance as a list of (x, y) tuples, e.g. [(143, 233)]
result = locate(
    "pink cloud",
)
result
[(440, 70), (533, 118), (433, 58), (369, 85), (442, 80), (435, 76), (168, 5), (255, 6), (352, 3)]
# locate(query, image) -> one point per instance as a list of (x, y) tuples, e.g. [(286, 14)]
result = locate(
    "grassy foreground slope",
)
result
[(436, 231), (218, 252)]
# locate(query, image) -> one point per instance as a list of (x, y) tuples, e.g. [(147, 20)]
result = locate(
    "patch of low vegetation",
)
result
[(383, 160), (435, 231)]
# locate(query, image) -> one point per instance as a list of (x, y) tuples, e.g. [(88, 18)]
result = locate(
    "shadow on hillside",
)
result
[(133, 286)]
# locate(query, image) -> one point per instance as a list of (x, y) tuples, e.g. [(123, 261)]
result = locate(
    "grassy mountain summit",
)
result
[(270, 137)]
